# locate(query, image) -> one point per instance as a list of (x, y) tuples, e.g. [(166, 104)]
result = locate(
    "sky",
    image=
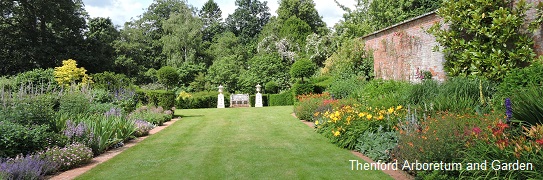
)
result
[(121, 11)]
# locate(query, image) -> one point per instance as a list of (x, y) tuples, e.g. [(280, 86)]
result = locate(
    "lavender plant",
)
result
[(28, 167)]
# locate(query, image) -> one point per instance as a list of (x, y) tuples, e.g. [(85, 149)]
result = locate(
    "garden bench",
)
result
[(239, 100)]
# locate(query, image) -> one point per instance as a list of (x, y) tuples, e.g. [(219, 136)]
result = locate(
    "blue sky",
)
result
[(121, 11)]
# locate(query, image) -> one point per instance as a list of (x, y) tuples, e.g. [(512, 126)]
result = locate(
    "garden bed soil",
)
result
[(73, 173), (396, 174)]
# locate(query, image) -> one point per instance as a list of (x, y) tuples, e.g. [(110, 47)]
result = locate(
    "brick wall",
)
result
[(402, 50)]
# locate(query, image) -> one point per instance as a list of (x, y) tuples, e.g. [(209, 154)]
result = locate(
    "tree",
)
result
[(168, 76), (303, 10), (265, 68), (211, 16), (248, 19), (99, 45), (225, 71), (295, 30), (182, 37), (39, 34), (386, 13), (302, 68), (69, 74), (484, 38), (319, 48)]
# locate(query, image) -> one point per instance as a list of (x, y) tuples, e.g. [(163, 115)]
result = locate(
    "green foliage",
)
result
[(302, 68), (225, 71), (264, 68), (377, 145), (461, 94), (100, 37), (308, 105), (203, 99), (248, 19), (182, 36), (483, 38), (19, 139), (384, 93), (71, 156), (29, 110), (153, 115), (345, 87), (168, 76), (528, 106), (74, 103), (296, 30), (42, 78), (304, 10), (516, 79), (110, 81), (350, 59), (271, 87), (301, 87), (211, 16), (285, 98)]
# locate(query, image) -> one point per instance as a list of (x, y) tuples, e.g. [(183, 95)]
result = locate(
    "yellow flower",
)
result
[(336, 133), (399, 107), (380, 117), (369, 116), (390, 110), (316, 122), (362, 114)]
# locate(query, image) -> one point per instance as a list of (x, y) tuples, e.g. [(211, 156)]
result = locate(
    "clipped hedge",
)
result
[(284, 99), (162, 98), (204, 99), (252, 100)]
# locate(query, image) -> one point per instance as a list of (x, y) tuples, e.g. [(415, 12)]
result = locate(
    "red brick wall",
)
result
[(400, 51), (403, 50)]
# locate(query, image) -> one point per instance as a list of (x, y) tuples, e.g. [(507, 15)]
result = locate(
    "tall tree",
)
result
[(211, 16), (248, 19), (39, 34), (182, 37), (304, 10), (99, 43)]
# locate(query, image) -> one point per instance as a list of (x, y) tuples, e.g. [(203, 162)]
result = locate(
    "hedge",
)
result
[(202, 99), (162, 98), (284, 99)]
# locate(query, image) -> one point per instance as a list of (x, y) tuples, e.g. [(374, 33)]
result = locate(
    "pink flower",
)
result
[(476, 130)]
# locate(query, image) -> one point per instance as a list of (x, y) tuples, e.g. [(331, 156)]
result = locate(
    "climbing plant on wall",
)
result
[(484, 37)]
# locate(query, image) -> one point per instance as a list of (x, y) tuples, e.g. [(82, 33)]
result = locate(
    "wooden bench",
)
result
[(239, 100)]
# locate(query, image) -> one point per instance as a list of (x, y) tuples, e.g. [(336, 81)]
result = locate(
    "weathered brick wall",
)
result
[(403, 50)]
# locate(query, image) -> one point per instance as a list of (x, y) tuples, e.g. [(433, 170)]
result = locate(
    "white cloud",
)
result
[(121, 11)]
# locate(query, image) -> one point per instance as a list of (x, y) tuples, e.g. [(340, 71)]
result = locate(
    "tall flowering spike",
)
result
[(508, 109)]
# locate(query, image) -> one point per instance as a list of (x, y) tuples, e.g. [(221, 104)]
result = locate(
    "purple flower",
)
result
[(113, 112), (29, 167), (508, 109)]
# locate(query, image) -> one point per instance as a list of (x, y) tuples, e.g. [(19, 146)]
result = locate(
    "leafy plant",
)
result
[(302, 87), (302, 68), (377, 145), (69, 73), (69, 157), (484, 38), (168, 76), (18, 139), (527, 105)]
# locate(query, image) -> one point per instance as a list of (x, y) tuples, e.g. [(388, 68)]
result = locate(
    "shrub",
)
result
[(203, 99), (161, 98), (110, 81), (302, 68), (69, 74), (423, 92), (154, 115), (74, 103), (527, 105), (18, 139), (271, 87), (101, 96), (29, 109), (27, 167), (378, 145), (127, 98), (168, 76), (69, 157), (308, 104), (346, 87), (301, 88), (142, 128), (283, 99), (42, 78), (384, 93)]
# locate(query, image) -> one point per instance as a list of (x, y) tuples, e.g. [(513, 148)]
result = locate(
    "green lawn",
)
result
[(241, 143)]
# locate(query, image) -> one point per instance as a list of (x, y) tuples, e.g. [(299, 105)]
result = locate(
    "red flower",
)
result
[(502, 125), (476, 130), (539, 141)]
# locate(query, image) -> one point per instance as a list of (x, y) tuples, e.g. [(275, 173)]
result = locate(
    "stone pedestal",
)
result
[(220, 101), (258, 100)]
